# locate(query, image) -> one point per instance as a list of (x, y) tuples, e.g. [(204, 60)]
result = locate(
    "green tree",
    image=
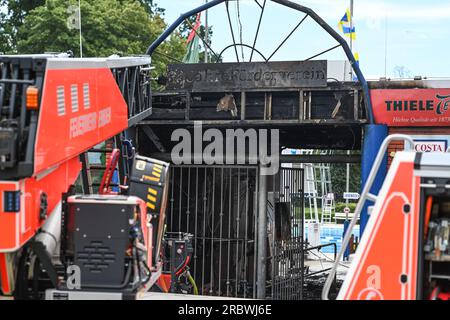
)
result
[(12, 14), (339, 177), (126, 27), (108, 27), (186, 28), (152, 7)]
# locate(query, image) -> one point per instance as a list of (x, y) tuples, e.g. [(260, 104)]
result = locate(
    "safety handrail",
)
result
[(365, 195), (331, 244)]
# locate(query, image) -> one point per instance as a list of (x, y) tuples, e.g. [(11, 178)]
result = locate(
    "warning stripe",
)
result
[(150, 178), (156, 174)]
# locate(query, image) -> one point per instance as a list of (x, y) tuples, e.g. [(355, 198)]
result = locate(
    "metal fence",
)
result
[(218, 205), (286, 201)]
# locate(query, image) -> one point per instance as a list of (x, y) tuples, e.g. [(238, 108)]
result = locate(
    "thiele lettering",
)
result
[(409, 105)]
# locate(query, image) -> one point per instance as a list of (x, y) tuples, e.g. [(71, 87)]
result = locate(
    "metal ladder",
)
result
[(365, 195), (311, 191), (328, 208), (93, 166), (318, 177), (323, 171)]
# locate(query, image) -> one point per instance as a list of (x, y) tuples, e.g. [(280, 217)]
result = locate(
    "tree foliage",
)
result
[(186, 28), (339, 177), (12, 15), (152, 7), (108, 27), (125, 27)]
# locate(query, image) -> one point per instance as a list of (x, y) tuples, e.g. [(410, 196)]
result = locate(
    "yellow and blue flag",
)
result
[(356, 55), (346, 19), (345, 25)]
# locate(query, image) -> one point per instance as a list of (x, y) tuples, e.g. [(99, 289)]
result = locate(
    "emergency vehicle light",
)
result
[(32, 98)]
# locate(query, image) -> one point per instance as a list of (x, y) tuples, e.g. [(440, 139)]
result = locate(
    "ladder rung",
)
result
[(96, 167), (100, 150)]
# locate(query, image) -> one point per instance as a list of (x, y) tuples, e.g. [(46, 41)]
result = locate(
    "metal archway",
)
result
[(308, 12), (240, 45)]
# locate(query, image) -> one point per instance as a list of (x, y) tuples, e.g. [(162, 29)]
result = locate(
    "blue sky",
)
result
[(414, 34)]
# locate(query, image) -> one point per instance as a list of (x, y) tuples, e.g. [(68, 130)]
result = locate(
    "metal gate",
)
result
[(217, 205), (286, 203)]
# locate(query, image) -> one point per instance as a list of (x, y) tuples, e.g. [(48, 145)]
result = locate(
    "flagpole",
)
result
[(351, 24), (347, 180), (206, 33), (79, 21), (385, 44)]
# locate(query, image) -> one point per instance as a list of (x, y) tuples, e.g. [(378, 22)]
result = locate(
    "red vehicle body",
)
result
[(80, 105), (403, 253), (388, 252)]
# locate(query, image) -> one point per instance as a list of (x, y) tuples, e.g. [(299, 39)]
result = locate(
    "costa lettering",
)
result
[(432, 145)]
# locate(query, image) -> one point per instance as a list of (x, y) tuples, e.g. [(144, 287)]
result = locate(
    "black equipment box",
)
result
[(97, 236), (178, 250), (149, 181)]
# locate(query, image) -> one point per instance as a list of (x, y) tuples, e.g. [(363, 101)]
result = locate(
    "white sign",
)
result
[(330, 196), (346, 210), (430, 145), (351, 195)]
